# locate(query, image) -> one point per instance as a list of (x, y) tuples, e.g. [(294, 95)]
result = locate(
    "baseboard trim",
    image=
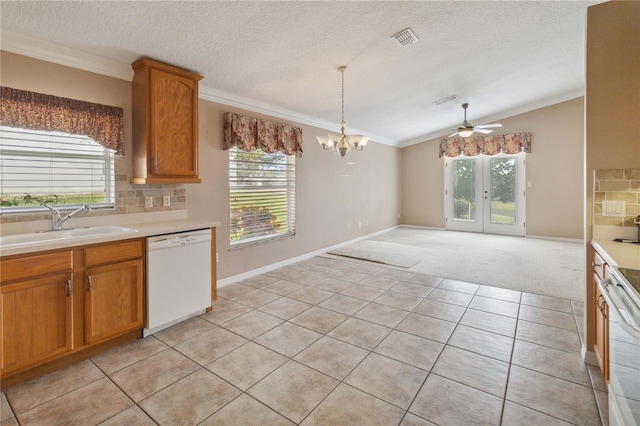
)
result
[(589, 357), (433, 228), (243, 276), (566, 240)]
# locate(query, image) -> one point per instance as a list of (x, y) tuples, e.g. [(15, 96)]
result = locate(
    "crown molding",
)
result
[(50, 52), (229, 99)]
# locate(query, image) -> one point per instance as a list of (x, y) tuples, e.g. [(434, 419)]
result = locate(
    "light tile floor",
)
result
[(330, 341)]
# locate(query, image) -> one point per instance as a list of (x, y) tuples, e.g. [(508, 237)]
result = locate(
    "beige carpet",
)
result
[(371, 251), (553, 268)]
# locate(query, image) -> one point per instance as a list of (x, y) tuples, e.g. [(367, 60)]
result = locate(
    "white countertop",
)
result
[(624, 255), (137, 230)]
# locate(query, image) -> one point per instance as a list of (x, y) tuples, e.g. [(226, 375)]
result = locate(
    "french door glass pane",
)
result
[(503, 190), (464, 190)]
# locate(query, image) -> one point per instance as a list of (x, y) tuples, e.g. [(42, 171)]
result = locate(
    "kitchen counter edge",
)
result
[(624, 255), (138, 230)]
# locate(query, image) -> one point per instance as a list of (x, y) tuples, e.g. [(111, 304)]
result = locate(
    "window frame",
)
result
[(107, 157), (289, 170)]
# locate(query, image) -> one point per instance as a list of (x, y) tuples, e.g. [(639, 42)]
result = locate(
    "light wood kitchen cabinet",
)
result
[(114, 298), (37, 309), (600, 315), (165, 124)]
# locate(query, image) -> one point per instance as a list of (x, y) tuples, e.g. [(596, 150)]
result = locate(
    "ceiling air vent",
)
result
[(406, 37)]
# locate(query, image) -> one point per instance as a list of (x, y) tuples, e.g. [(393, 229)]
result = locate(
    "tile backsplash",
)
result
[(129, 200), (616, 185)]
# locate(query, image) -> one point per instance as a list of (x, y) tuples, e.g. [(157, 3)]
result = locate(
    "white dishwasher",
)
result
[(178, 278)]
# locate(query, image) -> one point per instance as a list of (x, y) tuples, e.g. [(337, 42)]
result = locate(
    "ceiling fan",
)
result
[(466, 129)]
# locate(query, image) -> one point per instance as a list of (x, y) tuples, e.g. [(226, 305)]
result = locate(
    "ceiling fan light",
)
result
[(465, 133)]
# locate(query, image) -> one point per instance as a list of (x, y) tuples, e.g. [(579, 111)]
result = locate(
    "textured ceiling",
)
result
[(503, 58)]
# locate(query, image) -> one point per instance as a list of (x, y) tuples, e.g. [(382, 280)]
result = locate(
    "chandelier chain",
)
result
[(342, 71)]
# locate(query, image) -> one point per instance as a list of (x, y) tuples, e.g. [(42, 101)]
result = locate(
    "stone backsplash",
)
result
[(129, 199), (617, 184)]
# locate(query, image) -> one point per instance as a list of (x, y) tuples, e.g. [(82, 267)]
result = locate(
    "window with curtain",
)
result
[(56, 151), (262, 196), (54, 168)]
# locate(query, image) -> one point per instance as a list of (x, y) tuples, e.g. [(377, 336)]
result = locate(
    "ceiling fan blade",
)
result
[(488, 126), (483, 131), (453, 134)]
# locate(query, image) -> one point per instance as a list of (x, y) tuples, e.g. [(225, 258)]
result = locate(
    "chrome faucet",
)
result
[(57, 220)]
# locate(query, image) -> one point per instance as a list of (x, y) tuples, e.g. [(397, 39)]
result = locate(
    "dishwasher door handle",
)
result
[(178, 240)]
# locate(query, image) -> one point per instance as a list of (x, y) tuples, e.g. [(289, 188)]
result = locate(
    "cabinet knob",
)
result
[(593, 264)]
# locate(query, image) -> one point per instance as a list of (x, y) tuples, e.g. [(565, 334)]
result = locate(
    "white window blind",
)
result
[(262, 196), (54, 168)]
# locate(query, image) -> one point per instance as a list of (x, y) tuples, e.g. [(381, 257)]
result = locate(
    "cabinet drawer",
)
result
[(107, 253), (34, 266), (598, 265)]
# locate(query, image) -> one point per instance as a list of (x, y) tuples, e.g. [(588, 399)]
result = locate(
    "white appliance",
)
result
[(621, 289), (178, 278)]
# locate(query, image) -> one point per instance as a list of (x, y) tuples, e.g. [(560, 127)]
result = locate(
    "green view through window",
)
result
[(262, 195), (54, 168)]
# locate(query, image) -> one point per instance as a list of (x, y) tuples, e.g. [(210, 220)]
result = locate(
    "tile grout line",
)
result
[(351, 316), (513, 348)]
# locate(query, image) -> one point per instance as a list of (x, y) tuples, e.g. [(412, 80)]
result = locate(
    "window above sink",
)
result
[(54, 168)]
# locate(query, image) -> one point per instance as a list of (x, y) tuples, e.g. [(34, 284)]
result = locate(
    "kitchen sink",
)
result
[(37, 237)]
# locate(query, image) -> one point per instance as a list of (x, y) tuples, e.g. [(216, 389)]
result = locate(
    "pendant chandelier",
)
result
[(343, 143)]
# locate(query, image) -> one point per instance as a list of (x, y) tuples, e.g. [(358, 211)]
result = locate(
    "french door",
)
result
[(485, 194)]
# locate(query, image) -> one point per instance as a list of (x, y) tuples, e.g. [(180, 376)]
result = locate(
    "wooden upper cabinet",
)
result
[(165, 124)]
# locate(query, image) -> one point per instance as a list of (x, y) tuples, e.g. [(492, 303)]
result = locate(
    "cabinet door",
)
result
[(113, 300), (601, 331), (174, 137), (36, 320)]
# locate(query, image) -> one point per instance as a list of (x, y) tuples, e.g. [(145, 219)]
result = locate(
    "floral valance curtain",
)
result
[(37, 111), (488, 145), (250, 133)]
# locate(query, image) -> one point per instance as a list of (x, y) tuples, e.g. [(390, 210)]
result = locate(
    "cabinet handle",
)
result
[(599, 303), (69, 288), (90, 283)]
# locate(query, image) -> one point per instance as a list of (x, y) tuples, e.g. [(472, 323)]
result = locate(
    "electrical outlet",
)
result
[(148, 202), (166, 200), (359, 224), (615, 208), (348, 227), (366, 223)]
